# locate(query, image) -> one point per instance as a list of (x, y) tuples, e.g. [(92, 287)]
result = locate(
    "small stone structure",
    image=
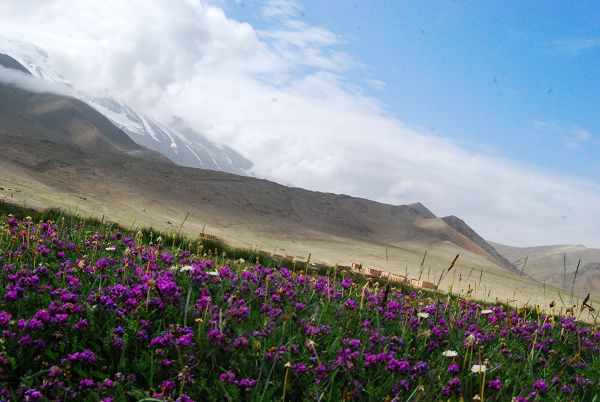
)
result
[(373, 272)]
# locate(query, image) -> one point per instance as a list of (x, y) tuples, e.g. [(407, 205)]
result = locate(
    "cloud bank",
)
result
[(21, 80), (282, 97)]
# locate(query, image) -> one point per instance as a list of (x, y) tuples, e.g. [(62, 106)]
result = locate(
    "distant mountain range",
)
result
[(557, 265), (59, 150), (177, 141)]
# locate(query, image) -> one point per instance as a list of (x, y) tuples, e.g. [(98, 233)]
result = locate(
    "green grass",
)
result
[(258, 330)]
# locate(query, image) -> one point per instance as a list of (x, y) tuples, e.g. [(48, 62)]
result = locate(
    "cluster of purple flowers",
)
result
[(100, 315)]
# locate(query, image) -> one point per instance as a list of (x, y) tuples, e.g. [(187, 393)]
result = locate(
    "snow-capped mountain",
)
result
[(177, 141)]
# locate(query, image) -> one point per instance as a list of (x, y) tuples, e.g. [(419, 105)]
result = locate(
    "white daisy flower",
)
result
[(450, 353), (423, 315), (186, 268), (478, 368), (110, 248)]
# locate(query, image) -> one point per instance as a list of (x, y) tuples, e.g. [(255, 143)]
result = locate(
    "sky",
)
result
[(497, 78), (484, 111)]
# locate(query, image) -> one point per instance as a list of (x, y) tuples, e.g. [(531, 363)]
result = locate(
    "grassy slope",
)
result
[(342, 338)]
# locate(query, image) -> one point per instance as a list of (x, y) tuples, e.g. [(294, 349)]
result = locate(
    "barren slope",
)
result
[(248, 212), (547, 264)]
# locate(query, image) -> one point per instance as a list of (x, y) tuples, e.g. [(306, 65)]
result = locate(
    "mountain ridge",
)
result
[(556, 265), (177, 140), (60, 119), (462, 227)]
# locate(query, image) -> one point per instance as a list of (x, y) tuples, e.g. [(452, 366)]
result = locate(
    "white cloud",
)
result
[(282, 98), (19, 79), (572, 137), (281, 9), (300, 46), (577, 46), (377, 85)]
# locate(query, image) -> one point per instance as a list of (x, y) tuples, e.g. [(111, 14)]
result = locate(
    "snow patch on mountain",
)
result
[(175, 139)]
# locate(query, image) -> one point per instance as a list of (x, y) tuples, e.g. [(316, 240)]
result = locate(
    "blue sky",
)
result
[(519, 79), (487, 111)]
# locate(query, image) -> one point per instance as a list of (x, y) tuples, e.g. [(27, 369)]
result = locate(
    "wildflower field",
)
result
[(91, 311)]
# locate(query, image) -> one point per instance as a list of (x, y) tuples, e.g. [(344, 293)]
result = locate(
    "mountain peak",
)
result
[(176, 140), (461, 227), (8, 62), (422, 210), (62, 120)]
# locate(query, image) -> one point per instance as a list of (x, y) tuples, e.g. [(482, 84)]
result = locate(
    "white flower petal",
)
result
[(478, 368)]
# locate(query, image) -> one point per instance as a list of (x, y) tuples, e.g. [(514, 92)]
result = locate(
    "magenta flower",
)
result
[(566, 389), (228, 377), (399, 366), (86, 383), (245, 383), (495, 384), (33, 394), (300, 368), (350, 304), (87, 356), (540, 386), (453, 368)]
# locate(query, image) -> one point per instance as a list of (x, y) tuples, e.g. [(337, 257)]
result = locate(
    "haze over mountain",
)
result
[(9, 62), (47, 117), (557, 265), (177, 140)]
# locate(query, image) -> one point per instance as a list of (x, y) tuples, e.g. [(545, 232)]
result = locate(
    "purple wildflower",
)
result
[(495, 384), (33, 394), (86, 383), (246, 383), (227, 377), (300, 368), (540, 386), (350, 304), (453, 368)]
